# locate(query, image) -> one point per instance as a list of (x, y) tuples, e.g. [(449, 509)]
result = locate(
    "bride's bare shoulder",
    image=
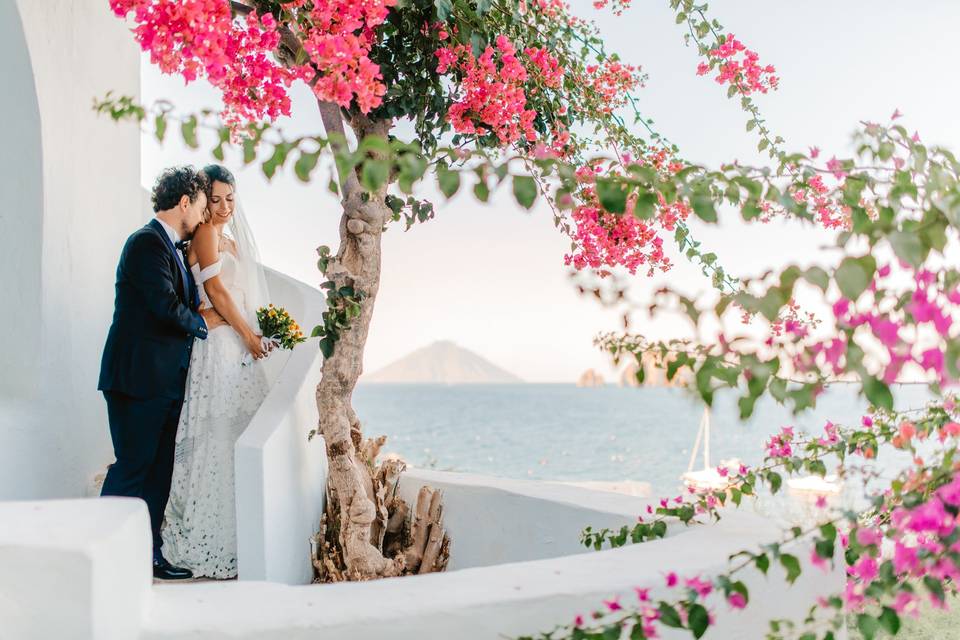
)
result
[(205, 235), (204, 245)]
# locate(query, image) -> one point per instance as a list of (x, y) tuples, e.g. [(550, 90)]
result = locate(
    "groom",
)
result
[(145, 359)]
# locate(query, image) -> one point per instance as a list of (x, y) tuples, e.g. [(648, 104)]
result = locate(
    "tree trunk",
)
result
[(364, 511)]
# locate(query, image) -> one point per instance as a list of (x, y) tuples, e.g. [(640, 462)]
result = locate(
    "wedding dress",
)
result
[(222, 396)]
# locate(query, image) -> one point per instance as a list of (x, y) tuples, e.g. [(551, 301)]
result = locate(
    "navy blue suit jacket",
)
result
[(154, 321)]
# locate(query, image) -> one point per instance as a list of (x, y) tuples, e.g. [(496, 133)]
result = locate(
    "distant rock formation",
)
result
[(591, 378), (653, 376), (442, 362)]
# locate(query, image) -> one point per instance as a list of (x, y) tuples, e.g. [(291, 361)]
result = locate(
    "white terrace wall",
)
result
[(281, 477), (97, 552), (69, 197)]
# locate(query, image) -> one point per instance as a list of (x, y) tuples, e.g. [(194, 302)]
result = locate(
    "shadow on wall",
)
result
[(21, 210), (69, 183)]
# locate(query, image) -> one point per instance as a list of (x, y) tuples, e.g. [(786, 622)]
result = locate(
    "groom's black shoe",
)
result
[(163, 570)]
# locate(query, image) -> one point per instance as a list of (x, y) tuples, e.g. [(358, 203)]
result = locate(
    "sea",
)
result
[(562, 432)]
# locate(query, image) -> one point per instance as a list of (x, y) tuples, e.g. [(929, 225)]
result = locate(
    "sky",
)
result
[(491, 277)]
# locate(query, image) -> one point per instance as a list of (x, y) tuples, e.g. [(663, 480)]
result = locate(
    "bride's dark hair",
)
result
[(217, 173)]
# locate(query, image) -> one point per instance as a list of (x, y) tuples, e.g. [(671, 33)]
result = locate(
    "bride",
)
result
[(222, 393)]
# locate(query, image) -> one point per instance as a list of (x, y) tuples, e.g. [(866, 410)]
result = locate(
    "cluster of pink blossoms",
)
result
[(739, 67), (779, 445), (917, 536), (195, 38), (619, 6), (928, 305), (613, 81), (830, 213), (338, 42), (604, 240), (200, 37), (493, 94)]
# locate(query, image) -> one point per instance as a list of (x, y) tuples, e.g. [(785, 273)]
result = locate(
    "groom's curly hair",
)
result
[(174, 183)]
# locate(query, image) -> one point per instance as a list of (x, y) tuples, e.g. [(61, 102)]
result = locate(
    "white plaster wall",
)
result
[(92, 558), (475, 506), (74, 569), (281, 477), (21, 183), (71, 180)]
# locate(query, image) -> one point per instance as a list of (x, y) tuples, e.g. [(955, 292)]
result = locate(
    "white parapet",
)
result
[(80, 569), (528, 574), (281, 476), (77, 569)]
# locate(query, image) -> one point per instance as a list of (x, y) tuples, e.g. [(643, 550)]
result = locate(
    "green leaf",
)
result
[(908, 247), (868, 626), (374, 173), (669, 616), (763, 563), (448, 180), (703, 206), (817, 277), (249, 150), (612, 632), (305, 165), (935, 587), (878, 393), (612, 195), (829, 531), (853, 275), (161, 126), (792, 566), (771, 303), (646, 205), (189, 131), (481, 191), (525, 190), (890, 621), (825, 549), (326, 346), (698, 620), (641, 373), (774, 480), (444, 9)]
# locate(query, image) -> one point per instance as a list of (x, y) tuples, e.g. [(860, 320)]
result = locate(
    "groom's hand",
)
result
[(212, 318)]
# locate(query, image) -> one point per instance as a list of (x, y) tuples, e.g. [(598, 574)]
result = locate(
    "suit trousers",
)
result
[(144, 433)]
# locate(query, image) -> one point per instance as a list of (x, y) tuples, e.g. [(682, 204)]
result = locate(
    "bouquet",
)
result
[(278, 329)]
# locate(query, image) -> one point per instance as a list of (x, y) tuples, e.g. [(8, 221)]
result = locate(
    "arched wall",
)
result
[(77, 176)]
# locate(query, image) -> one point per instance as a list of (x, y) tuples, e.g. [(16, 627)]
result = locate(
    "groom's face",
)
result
[(193, 215)]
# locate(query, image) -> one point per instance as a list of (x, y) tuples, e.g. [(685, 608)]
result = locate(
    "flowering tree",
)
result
[(488, 86), (524, 94)]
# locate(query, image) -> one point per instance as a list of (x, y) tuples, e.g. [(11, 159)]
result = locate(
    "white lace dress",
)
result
[(222, 395)]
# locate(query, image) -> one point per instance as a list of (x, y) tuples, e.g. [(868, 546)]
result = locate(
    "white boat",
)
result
[(707, 478), (814, 485)]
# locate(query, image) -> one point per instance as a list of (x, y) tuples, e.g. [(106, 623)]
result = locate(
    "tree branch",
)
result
[(240, 7), (333, 124)]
